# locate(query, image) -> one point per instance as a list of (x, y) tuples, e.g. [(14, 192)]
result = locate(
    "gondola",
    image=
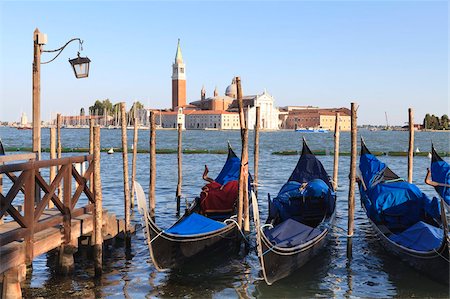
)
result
[(194, 234), (409, 225), (440, 173), (299, 220)]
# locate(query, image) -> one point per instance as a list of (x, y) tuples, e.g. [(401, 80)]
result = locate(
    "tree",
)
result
[(82, 113), (135, 108), (101, 108), (444, 122)]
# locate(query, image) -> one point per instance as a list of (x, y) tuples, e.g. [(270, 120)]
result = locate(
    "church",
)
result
[(217, 112)]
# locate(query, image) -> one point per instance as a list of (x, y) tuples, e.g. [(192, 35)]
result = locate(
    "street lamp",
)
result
[(80, 67)]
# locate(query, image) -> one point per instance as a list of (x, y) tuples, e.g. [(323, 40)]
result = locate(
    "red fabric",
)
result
[(218, 198)]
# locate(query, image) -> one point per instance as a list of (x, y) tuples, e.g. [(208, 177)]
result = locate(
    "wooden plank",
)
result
[(6, 201), (46, 188), (49, 191), (43, 163), (17, 157)]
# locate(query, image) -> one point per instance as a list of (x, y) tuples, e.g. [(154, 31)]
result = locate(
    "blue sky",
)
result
[(384, 55)]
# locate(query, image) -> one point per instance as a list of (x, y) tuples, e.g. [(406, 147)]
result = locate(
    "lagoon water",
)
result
[(371, 272)]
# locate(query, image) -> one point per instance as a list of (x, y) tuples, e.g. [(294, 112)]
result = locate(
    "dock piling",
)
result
[(133, 163), (126, 186), (152, 183), (352, 177), (52, 156), (411, 144), (256, 152), (180, 171), (98, 210)]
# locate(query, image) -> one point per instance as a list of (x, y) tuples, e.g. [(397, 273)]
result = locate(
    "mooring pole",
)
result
[(336, 152), (91, 151), (243, 211), (133, 163), (98, 209), (58, 147), (180, 171), (351, 190), (256, 152), (52, 156), (36, 101), (126, 186), (411, 144), (151, 193)]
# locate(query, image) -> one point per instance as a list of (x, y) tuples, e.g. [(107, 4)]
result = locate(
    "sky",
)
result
[(386, 56)]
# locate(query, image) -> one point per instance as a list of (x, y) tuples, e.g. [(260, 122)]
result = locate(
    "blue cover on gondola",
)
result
[(291, 233), (230, 171), (440, 173), (421, 237), (195, 224)]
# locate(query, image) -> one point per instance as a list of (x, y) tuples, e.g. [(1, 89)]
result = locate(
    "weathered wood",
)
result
[(58, 146), (91, 151), (29, 214), (180, 170), (36, 101), (17, 157), (336, 151), (256, 152), (152, 183), (126, 186), (98, 210), (133, 163), (11, 282), (243, 209), (352, 176), (43, 164), (67, 197), (52, 156), (411, 144)]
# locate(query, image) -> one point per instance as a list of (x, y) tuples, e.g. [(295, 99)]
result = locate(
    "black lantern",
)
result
[(80, 66)]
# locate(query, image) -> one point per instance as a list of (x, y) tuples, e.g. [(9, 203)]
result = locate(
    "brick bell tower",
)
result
[(178, 80)]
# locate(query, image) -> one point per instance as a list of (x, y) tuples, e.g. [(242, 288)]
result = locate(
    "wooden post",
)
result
[(98, 210), (151, 193), (36, 101), (351, 190), (58, 147), (133, 162), (336, 152), (411, 145), (243, 211), (180, 172), (256, 152), (52, 156), (126, 187), (11, 282), (30, 191), (91, 150)]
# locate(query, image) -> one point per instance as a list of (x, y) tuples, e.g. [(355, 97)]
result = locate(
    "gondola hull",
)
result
[(278, 262), (172, 251), (433, 264)]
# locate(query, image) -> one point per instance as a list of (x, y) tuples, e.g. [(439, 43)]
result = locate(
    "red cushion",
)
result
[(217, 198)]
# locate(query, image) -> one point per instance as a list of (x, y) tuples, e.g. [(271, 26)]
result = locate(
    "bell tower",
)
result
[(178, 80)]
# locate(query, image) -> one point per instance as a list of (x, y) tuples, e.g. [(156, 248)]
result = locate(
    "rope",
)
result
[(441, 255), (239, 228), (156, 237)]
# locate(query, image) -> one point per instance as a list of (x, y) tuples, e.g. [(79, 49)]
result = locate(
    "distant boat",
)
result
[(111, 151), (308, 130), (24, 128)]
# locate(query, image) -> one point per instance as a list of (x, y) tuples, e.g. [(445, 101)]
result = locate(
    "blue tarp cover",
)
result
[(195, 224), (230, 171), (291, 233), (440, 172), (421, 237)]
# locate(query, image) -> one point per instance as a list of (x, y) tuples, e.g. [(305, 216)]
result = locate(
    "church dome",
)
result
[(231, 90)]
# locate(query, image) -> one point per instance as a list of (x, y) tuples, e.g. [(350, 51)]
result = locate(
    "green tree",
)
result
[(101, 108), (135, 108), (444, 122), (82, 113)]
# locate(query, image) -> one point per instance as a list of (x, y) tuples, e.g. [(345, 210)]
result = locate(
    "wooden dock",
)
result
[(38, 229)]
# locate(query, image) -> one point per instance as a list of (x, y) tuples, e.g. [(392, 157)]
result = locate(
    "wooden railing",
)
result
[(26, 178)]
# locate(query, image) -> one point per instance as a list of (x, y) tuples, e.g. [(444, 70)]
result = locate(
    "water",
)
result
[(371, 272)]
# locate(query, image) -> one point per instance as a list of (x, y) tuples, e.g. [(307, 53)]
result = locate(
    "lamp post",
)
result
[(80, 67)]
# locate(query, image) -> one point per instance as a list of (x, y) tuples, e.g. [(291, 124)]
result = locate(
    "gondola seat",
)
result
[(421, 237), (291, 233), (195, 224)]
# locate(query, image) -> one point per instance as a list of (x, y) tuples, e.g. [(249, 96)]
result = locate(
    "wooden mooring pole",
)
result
[(411, 144), (52, 156), (58, 147), (126, 186), (352, 177), (133, 163), (336, 152), (152, 183), (243, 208), (91, 151), (180, 170), (98, 210), (256, 152)]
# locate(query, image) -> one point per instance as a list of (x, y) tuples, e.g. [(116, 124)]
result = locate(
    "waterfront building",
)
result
[(198, 119), (178, 80), (315, 118)]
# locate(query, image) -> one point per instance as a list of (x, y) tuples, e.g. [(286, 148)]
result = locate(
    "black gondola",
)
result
[(299, 219), (409, 224), (440, 174), (193, 234)]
